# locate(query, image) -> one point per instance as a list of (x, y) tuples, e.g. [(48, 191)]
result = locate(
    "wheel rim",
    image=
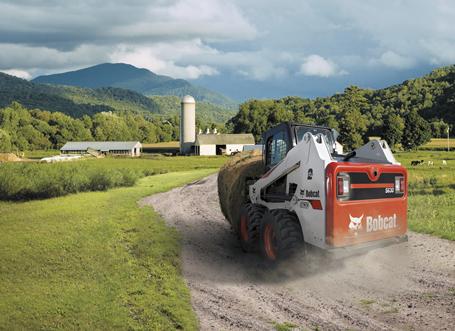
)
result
[(244, 228), (269, 242)]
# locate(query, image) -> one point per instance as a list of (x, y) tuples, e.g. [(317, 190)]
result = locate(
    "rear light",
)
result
[(343, 185), (316, 204), (399, 184)]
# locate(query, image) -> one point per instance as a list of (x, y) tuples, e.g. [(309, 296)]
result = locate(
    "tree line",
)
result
[(23, 129), (406, 115)]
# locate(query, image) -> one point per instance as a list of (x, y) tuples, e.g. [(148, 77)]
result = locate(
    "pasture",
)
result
[(31, 180), (431, 204), (95, 260), (438, 144)]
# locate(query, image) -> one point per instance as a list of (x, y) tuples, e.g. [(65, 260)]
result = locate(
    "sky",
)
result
[(242, 48)]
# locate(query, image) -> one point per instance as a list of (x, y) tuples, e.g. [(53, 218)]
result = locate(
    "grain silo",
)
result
[(187, 125)]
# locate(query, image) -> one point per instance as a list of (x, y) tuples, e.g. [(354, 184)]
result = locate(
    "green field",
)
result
[(93, 261), (32, 180), (431, 201), (439, 144), (172, 144), (96, 260)]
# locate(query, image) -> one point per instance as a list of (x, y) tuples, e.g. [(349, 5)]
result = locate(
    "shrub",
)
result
[(25, 181)]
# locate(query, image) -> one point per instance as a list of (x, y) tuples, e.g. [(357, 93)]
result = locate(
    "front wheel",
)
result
[(250, 220), (280, 235)]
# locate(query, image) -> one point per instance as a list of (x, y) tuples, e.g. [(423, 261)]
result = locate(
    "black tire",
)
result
[(250, 221), (280, 235)]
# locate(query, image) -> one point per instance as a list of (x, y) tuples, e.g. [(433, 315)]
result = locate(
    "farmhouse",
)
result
[(130, 148), (219, 144)]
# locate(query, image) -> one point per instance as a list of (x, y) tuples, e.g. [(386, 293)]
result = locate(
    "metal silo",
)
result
[(187, 124)]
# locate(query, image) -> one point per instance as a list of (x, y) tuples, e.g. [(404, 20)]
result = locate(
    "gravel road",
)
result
[(408, 286)]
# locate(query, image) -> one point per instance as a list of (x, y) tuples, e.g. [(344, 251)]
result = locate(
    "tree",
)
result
[(5, 142), (353, 126), (439, 129), (393, 129), (416, 132)]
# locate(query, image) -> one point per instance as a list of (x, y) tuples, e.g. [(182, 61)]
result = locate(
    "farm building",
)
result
[(208, 143), (131, 148), (219, 144)]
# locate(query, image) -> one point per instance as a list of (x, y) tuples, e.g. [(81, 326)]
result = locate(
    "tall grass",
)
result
[(27, 181), (39, 181)]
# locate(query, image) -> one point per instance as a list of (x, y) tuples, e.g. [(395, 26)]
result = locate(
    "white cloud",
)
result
[(32, 57), (440, 51), (162, 58), (394, 60), (316, 65), (18, 73), (233, 41)]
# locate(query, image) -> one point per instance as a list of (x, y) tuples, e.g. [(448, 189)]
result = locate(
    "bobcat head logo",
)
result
[(356, 223)]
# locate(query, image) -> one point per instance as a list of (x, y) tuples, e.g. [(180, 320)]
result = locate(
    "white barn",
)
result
[(220, 144), (131, 148)]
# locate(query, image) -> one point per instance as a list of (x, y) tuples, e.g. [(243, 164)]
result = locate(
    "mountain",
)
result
[(140, 80), (78, 101)]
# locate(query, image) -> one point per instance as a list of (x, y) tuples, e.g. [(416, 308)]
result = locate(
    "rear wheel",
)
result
[(280, 235), (250, 220)]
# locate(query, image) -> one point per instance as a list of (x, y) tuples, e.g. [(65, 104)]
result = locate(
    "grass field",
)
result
[(431, 201), (96, 260), (39, 154), (93, 261), (172, 144), (439, 144), (32, 180)]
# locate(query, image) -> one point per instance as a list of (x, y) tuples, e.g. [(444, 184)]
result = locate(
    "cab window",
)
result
[(277, 147)]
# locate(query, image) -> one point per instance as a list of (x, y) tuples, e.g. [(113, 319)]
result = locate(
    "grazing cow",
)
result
[(430, 163), (416, 162), (444, 162)]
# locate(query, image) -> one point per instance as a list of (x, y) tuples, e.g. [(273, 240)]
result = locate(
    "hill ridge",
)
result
[(140, 80)]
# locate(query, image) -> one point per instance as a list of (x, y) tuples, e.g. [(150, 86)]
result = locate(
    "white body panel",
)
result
[(377, 150), (305, 166), (309, 160)]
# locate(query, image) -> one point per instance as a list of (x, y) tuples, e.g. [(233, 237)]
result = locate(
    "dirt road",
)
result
[(409, 286)]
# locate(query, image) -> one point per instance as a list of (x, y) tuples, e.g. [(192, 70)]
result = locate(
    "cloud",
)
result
[(394, 60), (316, 65), (31, 57), (50, 36), (18, 73), (52, 24), (256, 44), (153, 58)]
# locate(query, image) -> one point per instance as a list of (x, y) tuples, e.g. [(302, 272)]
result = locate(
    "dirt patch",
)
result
[(409, 286), (9, 157)]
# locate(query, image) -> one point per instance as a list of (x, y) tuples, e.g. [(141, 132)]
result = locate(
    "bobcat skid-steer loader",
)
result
[(311, 193)]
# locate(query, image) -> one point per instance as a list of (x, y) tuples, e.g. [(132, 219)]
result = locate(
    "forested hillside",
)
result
[(23, 129), (407, 114), (136, 79), (77, 101)]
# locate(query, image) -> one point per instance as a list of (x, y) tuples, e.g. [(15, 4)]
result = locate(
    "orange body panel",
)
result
[(357, 221)]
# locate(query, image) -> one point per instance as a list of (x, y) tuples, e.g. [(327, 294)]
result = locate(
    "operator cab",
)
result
[(279, 140)]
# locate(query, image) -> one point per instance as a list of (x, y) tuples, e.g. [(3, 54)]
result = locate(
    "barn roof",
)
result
[(100, 145), (225, 139)]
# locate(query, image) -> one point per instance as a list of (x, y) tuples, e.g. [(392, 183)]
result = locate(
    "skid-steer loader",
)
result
[(312, 194)]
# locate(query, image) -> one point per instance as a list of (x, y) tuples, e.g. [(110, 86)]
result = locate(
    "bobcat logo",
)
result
[(356, 223)]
